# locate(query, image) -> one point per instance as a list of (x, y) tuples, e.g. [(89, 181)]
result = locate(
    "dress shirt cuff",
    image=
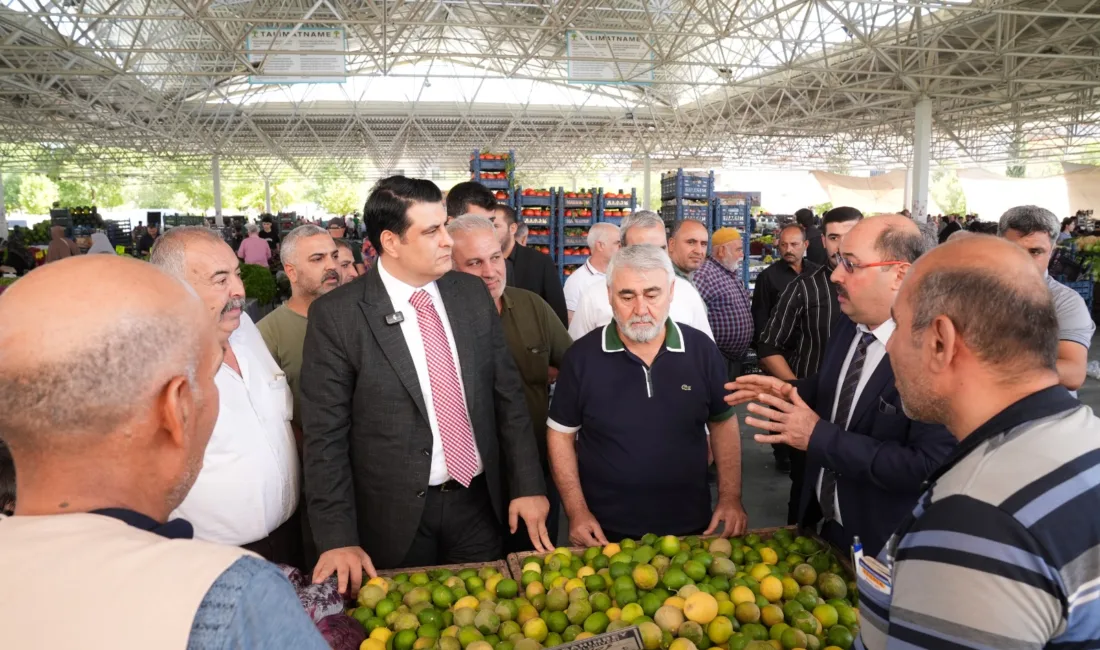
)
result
[(561, 427), (767, 350)]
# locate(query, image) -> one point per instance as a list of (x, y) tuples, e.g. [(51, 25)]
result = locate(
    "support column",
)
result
[(267, 196), (922, 153), (217, 171), (908, 190), (646, 183), (3, 211)]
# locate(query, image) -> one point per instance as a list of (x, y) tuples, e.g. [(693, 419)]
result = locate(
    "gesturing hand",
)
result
[(748, 387), (792, 421), (584, 530), (730, 513), (349, 563), (534, 511)]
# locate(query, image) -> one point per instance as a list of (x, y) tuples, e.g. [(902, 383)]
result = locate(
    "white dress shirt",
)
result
[(249, 483), (400, 294), (594, 309), (575, 284), (876, 351)]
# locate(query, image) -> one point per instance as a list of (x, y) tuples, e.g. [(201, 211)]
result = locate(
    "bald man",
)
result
[(998, 553), (98, 477), (247, 494), (865, 460)]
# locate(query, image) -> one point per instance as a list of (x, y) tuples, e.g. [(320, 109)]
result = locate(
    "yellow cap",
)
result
[(724, 236)]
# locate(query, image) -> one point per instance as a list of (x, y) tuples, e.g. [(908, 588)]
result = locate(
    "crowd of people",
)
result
[(396, 411)]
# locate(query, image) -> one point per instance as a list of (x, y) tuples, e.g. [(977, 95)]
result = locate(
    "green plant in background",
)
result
[(259, 284), (37, 234)]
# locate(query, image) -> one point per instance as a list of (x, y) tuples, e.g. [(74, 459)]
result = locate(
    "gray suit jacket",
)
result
[(367, 443)]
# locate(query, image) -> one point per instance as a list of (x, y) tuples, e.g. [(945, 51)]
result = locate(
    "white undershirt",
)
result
[(400, 293), (250, 477), (876, 351)]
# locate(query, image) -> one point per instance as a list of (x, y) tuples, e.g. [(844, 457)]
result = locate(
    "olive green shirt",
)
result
[(537, 340), (284, 332)]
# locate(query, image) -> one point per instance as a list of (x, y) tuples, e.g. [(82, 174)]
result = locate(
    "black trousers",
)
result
[(284, 544), (458, 526), (798, 479)]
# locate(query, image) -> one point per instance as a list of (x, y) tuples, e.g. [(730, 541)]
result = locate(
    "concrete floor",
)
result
[(765, 491)]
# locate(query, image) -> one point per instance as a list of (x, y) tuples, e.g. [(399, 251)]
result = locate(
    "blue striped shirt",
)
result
[(1003, 549)]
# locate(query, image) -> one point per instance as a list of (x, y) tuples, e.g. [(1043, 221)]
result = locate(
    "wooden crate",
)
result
[(499, 565), (844, 558)]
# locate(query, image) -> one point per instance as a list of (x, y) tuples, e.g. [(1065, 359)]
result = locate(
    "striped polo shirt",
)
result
[(1003, 548)]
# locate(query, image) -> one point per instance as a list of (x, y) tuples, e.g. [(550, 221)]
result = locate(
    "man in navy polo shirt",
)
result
[(627, 432)]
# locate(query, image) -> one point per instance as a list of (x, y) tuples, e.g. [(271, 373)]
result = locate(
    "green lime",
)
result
[(404, 639), (430, 616), (507, 588), (596, 623), (841, 637), (594, 583), (557, 622)]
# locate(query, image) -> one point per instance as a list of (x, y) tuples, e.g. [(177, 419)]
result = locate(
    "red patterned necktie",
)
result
[(447, 402)]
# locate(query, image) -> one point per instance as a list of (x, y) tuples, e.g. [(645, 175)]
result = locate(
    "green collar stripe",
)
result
[(674, 338)]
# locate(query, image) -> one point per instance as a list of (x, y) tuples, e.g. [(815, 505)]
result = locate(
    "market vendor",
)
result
[(1036, 230), (105, 449), (1001, 549), (247, 492), (627, 431)]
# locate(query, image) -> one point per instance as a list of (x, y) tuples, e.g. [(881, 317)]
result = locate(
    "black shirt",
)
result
[(271, 237), (145, 244), (802, 320), (816, 252), (769, 286), (950, 229), (642, 443)]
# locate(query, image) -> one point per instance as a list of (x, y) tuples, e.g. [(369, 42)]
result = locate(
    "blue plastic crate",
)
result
[(1084, 288), (730, 216)]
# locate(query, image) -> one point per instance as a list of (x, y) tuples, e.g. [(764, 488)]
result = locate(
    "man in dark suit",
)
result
[(527, 268), (414, 418), (865, 460)]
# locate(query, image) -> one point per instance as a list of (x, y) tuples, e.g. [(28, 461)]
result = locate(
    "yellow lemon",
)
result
[(614, 613), (742, 595), (676, 602), (771, 588), (769, 556), (381, 583), (760, 571), (611, 550), (532, 566), (466, 601), (381, 634), (574, 583), (701, 607), (372, 644), (585, 571)]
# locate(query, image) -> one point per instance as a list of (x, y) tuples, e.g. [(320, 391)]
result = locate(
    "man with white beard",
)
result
[(644, 389)]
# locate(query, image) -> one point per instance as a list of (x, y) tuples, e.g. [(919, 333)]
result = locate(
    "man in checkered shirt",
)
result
[(723, 290)]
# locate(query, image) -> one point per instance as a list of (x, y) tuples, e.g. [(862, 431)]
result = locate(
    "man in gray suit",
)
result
[(413, 412)]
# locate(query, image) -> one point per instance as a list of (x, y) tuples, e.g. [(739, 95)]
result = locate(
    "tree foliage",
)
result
[(37, 194)]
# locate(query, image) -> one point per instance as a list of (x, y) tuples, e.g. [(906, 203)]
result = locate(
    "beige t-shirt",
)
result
[(284, 332)]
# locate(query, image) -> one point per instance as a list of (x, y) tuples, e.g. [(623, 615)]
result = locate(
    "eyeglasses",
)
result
[(851, 267)]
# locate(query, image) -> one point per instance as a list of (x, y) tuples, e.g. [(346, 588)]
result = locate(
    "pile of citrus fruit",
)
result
[(784, 592)]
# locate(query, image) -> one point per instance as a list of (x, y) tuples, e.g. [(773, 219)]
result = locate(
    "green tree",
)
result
[(12, 184), (243, 195), (947, 191), (336, 193), (37, 194)]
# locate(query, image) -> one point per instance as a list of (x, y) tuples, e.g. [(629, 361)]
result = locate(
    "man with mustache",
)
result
[(346, 261), (769, 286), (247, 492), (311, 263), (773, 280), (865, 460), (792, 343), (687, 247), (644, 389)]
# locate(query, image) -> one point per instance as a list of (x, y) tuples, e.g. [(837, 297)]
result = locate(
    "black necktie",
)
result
[(843, 410)]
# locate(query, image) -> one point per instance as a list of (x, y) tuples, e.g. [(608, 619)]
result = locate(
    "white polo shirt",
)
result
[(249, 483), (576, 283)]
